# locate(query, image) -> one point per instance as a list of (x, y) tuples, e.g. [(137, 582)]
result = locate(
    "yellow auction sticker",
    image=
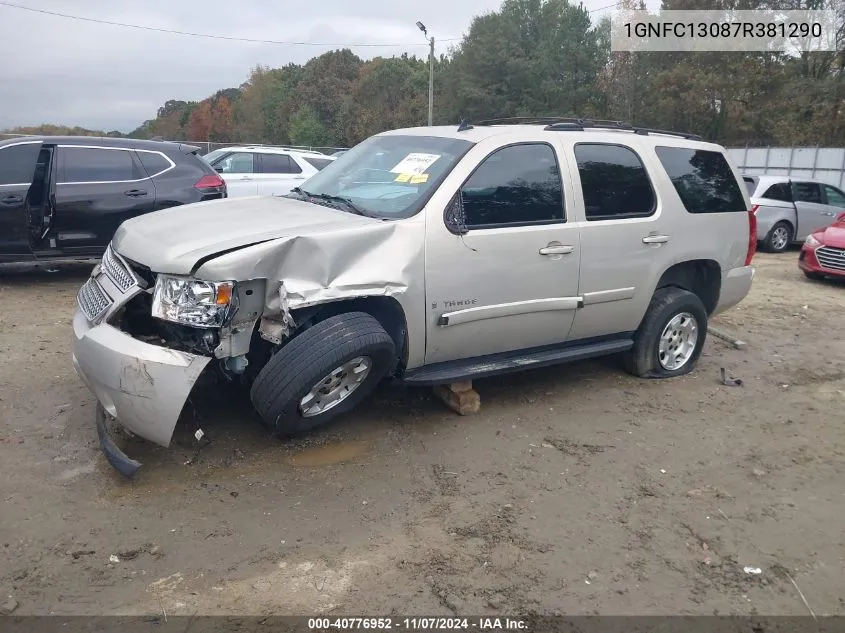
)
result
[(403, 178), (419, 178)]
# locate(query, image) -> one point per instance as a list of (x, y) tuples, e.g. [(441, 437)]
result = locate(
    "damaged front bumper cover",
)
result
[(143, 387)]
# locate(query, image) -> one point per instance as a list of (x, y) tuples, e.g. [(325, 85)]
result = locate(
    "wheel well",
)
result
[(702, 277), (784, 221), (386, 310)]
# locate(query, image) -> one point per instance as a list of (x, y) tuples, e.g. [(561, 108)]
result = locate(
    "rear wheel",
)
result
[(779, 238), (671, 336), (322, 373)]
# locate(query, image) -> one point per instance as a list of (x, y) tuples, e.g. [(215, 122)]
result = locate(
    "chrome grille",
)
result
[(831, 258), (92, 300), (117, 271)]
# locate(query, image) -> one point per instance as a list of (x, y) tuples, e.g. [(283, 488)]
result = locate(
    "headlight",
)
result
[(811, 242), (193, 302)]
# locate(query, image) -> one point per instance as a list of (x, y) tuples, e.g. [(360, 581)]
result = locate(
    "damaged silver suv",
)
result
[(428, 255)]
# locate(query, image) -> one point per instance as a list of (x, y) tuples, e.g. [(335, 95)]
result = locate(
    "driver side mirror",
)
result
[(454, 217)]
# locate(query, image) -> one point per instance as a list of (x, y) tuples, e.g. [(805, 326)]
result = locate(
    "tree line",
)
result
[(532, 58)]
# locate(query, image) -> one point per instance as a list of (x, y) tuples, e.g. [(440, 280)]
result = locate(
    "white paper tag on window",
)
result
[(415, 163)]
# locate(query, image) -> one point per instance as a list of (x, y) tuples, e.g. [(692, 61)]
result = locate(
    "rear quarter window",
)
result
[(153, 162), (319, 163), (779, 191), (703, 179)]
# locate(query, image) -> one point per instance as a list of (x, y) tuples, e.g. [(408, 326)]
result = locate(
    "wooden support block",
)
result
[(460, 397)]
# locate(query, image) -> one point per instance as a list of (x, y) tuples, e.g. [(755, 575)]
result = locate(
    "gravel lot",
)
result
[(577, 489)]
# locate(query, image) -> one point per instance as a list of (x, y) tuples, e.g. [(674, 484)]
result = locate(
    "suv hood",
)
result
[(176, 239)]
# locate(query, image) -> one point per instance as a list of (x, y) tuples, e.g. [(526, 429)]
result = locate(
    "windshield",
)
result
[(388, 176)]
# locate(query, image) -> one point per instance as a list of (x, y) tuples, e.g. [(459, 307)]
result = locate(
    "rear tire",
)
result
[(671, 336), (322, 373), (778, 238)]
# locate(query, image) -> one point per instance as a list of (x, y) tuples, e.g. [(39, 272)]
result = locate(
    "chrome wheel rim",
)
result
[(677, 343), (780, 238), (335, 387)]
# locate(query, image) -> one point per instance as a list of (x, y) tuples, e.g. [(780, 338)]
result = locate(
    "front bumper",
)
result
[(144, 387), (809, 263), (736, 284)]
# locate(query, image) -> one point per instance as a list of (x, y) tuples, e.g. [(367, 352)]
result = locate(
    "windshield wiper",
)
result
[(351, 206)]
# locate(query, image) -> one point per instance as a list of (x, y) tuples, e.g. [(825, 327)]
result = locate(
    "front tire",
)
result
[(778, 238), (322, 373), (669, 341), (813, 276)]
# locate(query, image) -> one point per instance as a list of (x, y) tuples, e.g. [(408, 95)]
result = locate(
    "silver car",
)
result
[(790, 209), (428, 255)]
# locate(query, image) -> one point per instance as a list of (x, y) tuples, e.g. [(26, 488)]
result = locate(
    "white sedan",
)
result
[(265, 171)]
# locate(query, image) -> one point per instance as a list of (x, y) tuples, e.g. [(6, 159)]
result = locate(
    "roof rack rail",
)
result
[(526, 120), (616, 125), (564, 124)]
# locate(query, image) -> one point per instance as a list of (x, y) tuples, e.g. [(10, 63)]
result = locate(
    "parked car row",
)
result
[(794, 211), (64, 197)]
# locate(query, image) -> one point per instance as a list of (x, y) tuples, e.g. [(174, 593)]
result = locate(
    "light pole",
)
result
[(422, 28)]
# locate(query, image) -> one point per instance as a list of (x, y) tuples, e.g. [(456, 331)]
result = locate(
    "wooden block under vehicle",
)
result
[(460, 397)]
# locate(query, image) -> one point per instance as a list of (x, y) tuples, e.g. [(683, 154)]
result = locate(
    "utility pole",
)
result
[(422, 28)]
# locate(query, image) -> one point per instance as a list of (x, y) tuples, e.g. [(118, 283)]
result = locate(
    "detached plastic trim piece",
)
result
[(121, 462)]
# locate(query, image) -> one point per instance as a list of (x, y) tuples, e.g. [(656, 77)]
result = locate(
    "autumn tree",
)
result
[(222, 121), (199, 124)]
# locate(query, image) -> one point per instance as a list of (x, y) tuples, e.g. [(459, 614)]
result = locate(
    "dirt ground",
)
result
[(576, 490)]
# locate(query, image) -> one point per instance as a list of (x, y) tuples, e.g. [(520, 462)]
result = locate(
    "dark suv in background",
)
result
[(64, 197)]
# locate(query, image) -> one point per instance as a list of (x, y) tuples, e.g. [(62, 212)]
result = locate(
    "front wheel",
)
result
[(671, 336), (322, 373)]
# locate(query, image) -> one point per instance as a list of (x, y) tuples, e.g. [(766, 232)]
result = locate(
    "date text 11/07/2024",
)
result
[(417, 624)]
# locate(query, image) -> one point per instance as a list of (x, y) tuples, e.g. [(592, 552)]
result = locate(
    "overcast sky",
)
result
[(70, 72)]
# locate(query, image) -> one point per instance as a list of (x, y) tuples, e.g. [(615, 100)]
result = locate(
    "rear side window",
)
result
[(17, 163), (153, 162), (91, 164), (614, 182), (779, 191), (516, 185), (236, 163), (807, 192), (279, 164), (703, 179), (319, 163)]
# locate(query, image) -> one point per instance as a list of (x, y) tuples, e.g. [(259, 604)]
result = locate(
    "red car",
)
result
[(823, 253)]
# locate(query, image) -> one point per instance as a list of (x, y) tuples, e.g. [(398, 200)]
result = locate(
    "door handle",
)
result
[(556, 249), (12, 200), (135, 193), (246, 177), (830, 213), (655, 239)]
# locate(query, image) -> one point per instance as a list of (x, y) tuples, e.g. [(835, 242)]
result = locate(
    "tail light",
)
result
[(210, 181), (752, 235)]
